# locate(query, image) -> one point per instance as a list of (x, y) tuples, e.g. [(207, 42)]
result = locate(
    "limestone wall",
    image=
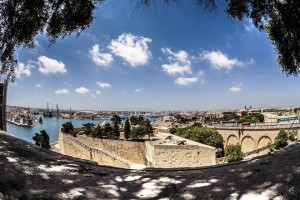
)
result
[(251, 138), (74, 147), (168, 156), (192, 154), (130, 150)]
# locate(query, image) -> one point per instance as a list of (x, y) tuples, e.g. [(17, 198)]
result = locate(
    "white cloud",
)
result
[(220, 61), (82, 90), (133, 49), (22, 69), (103, 85), (38, 85), (98, 92), (190, 80), (101, 59), (186, 80), (175, 68), (179, 63), (139, 90), (62, 91), (50, 66), (93, 95), (235, 89)]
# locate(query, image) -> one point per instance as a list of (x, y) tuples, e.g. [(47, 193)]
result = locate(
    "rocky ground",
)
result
[(29, 172)]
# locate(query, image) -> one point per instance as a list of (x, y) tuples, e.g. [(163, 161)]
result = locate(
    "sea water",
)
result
[(50, 124)]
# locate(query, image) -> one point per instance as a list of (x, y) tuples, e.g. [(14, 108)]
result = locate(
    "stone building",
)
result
[(170, 151)]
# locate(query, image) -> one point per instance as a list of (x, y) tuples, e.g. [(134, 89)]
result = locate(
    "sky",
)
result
[(168, 57)]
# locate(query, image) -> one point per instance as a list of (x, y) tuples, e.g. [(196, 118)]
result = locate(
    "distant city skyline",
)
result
[(158, 59)]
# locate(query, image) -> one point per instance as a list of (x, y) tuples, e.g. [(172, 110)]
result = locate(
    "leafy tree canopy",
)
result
[(280, 19), (203, 135), (21, 20), (42, 139), (68, 127), (233, 153)]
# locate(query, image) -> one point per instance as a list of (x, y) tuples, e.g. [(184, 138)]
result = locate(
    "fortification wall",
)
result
[(129, 150), (251, 138), (72, 146), (191, 154), (168, 156)]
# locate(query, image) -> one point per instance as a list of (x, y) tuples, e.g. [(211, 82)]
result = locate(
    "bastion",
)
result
[(162, 151)]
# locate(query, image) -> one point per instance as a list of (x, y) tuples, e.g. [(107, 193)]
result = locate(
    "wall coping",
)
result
[(89, 148)]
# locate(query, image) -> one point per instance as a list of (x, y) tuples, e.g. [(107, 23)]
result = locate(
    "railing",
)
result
[(90, 149)]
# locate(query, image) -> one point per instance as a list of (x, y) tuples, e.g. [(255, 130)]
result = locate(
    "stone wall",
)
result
[(72, 146), (129, 150), (192, 154), (251, 138)]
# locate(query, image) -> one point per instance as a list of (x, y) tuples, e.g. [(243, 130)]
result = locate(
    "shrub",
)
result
[(68, 127), (281, 140), (233, 153), (293, 135), (42, 139), (204, 135)]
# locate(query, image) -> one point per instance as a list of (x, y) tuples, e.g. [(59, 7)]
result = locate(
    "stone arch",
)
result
[(232, 139), (263, 141), (248, 144)]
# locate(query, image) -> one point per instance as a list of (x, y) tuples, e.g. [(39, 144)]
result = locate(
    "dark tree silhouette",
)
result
[(42, 139), (127, 129)]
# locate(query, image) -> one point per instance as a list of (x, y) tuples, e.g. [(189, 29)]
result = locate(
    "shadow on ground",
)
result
[(28, 172)]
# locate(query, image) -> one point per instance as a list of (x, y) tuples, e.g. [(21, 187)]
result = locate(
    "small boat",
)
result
[(40, 120)]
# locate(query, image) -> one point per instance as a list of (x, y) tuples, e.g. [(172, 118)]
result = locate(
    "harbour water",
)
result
[(50, 124)]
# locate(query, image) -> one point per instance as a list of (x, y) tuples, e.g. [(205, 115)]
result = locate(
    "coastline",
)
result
[(23, 125)]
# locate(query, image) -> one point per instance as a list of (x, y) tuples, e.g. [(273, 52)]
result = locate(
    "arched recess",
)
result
[(232, 139), (248, 144), (263, 141)]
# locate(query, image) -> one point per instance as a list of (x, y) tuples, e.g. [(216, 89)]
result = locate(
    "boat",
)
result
[(40, 120), (48, 114)]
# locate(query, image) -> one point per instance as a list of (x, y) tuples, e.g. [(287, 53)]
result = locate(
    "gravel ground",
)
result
[(29, 172)]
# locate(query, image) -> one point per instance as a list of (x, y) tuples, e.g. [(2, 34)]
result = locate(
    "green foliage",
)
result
[(88, 128), (127, 129), (139, 131), (281, 140), (233, 153), (280, 20), (107, 130), (293, 135), (173, 130), (134, 120), (203, 135), (68, 127), (97, 132), (22, 20), (42, 139), (116, 119), (116, 131), (183, 120), (253, 118)]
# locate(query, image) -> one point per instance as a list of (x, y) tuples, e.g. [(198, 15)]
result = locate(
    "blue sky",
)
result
[(175, 57)]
